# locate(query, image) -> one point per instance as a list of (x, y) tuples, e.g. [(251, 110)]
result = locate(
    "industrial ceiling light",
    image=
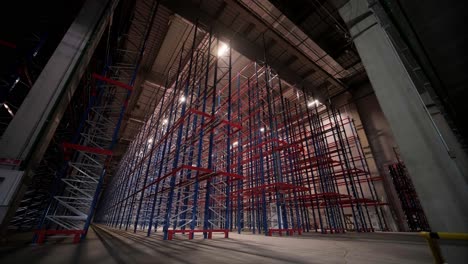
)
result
[(150, 140), (15, 83), (165, 121), (8, 109), (262, 129), (235, 144), (182, 99), (223, 48), (313, 103)]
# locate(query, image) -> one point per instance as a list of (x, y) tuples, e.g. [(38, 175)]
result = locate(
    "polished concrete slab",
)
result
[(108, 246)]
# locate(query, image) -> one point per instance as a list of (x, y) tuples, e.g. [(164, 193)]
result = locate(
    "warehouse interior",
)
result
[(233, 131)]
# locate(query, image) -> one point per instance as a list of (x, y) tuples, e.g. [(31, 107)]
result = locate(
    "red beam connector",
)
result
[(171, 233), (41, 234), (114, 82), (99, 151), (10, 162)]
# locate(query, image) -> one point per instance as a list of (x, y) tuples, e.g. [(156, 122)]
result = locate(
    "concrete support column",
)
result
[(439, 182), (29, 133)]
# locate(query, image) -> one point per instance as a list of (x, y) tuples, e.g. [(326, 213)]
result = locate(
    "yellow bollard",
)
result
[(434, 246)]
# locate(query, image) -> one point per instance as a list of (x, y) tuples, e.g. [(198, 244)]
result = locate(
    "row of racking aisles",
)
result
[(241, 151)]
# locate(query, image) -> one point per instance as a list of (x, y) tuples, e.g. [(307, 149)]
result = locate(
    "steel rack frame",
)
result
[(79, 180), (241, 151)]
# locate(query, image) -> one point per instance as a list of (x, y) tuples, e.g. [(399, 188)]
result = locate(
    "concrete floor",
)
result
[(105, 246)]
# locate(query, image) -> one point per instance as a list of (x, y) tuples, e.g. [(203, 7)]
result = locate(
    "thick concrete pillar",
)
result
[(29, 133), (440, 183)]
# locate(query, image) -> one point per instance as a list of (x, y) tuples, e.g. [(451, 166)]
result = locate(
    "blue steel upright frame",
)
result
[(80, 180), (248, 152)]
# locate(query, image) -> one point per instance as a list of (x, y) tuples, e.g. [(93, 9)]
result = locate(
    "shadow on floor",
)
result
[(173, 249), (105, 245)]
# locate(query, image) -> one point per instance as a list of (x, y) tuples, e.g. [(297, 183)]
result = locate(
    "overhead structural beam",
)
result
[(240, 43)]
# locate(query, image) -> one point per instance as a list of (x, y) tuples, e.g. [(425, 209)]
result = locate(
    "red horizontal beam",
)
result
[(42, 233), (232, 175), (7, 44), (289, 231), (198, 112), (99, 151), (188, 167), (114, 82), (170, 233), (197, 230), (6, 161), (59, 232)]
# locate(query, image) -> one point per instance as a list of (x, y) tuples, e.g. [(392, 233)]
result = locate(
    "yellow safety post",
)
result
[(434, 246)]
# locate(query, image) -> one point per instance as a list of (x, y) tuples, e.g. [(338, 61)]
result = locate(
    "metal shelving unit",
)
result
[(79, 180), (241, 151)]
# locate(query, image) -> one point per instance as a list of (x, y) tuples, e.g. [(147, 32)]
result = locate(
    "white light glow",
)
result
[(8, 109), (223, 48), (182, 99), (313, 103), (262, 129), (150, 140), (16, 82), (235, 144), (165, 121)]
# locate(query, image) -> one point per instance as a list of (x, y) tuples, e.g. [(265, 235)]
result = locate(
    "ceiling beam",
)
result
[(240, 43)]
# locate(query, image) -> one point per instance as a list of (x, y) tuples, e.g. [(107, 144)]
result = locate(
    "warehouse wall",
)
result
[(378, 144), (382, 144)]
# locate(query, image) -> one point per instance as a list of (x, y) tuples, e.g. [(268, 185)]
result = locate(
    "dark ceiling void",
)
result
[(320, 20), (251, 36), (445, 62), (28, 38)]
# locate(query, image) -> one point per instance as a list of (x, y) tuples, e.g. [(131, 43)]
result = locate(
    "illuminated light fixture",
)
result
[(16, 82), (8, 109), (223, 48), (182, 99), (235, 144), (313, 103), (262, 129), (165, 121), (150, 140)]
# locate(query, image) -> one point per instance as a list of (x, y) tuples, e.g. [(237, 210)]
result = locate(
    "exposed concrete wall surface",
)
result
[(440, 184), (382, 144), (450, 58), (362, 119)]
